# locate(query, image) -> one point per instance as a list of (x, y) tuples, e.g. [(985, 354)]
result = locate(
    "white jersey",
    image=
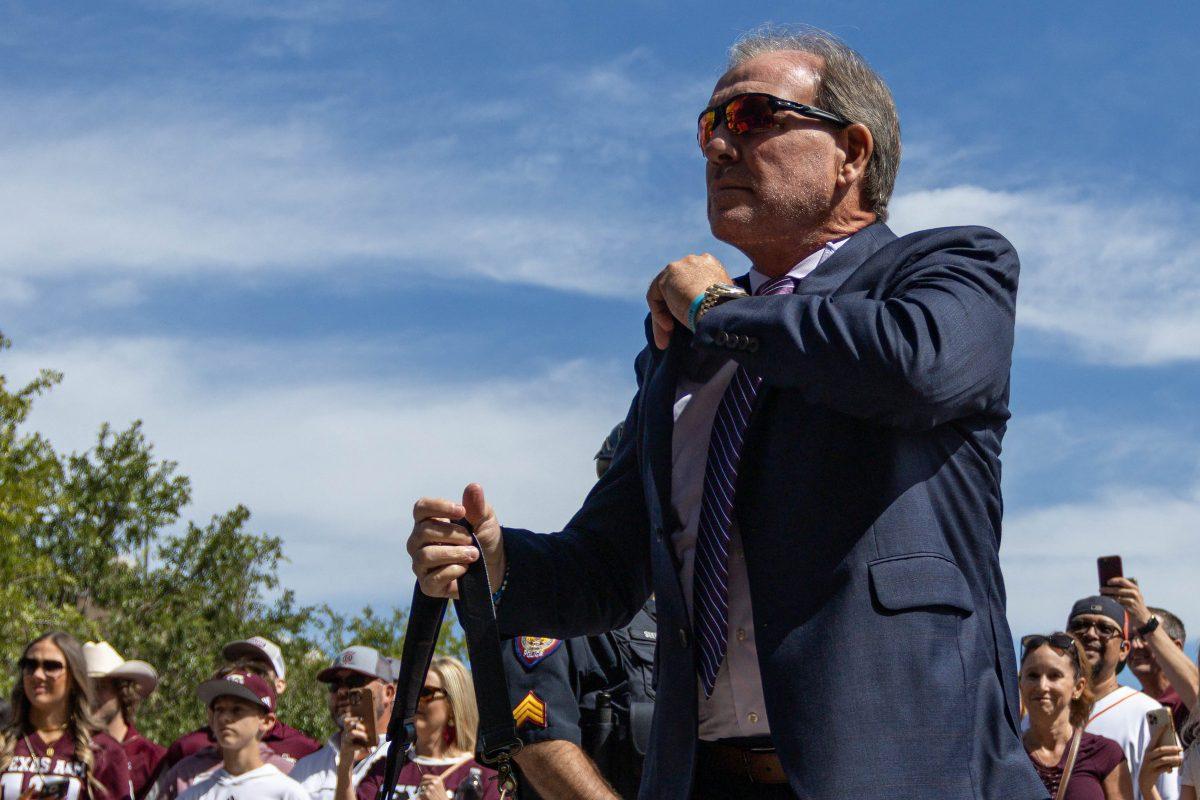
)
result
[(1121, 716), (264, 783), (317, 772)]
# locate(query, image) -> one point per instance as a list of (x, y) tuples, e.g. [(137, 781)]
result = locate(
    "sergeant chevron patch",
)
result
[(530, 712), (533, 650)]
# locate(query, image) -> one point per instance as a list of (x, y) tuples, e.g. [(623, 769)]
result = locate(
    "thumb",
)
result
[(477, 509)]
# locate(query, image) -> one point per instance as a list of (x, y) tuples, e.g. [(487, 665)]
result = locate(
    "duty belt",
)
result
[(497, 741)]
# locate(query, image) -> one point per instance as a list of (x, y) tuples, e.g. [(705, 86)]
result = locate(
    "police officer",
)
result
[(583, 706)]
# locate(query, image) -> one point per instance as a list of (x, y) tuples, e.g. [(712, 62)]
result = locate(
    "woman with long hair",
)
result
[(443, 766), (1056, 693), (53, 746)]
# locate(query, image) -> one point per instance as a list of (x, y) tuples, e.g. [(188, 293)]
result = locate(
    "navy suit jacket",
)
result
[(868, 500)]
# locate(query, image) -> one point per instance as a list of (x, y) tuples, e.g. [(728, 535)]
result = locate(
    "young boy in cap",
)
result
[(263, 656), (242, 710)]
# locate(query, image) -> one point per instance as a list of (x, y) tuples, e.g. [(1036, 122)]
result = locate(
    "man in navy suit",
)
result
[(810, 478)]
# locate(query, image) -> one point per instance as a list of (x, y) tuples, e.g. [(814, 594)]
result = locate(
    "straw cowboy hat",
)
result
[(105, 662)]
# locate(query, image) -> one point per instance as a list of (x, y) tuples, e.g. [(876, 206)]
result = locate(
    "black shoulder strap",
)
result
[(497, 741)]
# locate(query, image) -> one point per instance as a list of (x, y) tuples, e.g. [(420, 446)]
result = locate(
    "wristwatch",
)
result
[(715, 295), (1150, 627)]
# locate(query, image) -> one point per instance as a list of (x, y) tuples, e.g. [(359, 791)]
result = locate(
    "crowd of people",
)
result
[(71, 728)]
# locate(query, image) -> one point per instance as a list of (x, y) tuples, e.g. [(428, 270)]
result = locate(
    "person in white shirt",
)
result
[(242, 710), (1102, 627), (356, 667)]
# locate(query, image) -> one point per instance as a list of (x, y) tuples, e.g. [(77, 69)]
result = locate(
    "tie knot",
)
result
[(783, 285)]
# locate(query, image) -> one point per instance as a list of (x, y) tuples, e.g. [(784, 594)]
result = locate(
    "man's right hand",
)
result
[(441, 550)]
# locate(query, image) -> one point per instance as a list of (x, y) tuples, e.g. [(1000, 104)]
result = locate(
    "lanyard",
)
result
[(497, 742)]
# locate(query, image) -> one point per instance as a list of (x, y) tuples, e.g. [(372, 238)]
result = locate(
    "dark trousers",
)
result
[(713, 784)]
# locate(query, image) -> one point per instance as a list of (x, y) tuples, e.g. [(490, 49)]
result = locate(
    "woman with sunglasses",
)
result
[(53, 746), (1056, 693), (446, 724)]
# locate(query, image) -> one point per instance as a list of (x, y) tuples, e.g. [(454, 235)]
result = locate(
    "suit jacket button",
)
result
[(683, 637), (752, 346), (721, 337)]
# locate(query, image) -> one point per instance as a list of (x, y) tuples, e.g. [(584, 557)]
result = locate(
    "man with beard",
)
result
[(121, 686), (356, 667), (1102, 627)]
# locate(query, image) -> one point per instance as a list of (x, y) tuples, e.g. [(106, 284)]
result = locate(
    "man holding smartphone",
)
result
[(357, 673), (1102, 627)]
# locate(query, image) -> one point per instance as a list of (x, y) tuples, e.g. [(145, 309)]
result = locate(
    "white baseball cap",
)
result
[(256, 647), (360, 658), (103, 661)]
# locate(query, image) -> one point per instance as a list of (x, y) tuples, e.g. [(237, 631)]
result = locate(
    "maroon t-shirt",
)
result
[(1179, 711), (287, 742), (143, 756), (410, 778), (1097, 758), (55, 769)]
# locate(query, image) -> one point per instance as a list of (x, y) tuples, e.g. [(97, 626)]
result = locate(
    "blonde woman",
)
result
[(1057, 694), (53, 746), (446, 724)]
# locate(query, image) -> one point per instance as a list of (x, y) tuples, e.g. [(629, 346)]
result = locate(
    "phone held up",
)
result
[(1109, 567), (362, 705), (1162, 728)]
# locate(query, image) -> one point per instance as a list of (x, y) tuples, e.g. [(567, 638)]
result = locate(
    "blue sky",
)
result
[(341, 255)]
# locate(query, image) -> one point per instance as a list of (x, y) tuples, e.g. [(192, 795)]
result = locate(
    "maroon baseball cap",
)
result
[(244, 685)]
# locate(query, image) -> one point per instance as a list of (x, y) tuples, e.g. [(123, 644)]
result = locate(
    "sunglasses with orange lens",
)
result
[(754, 112)]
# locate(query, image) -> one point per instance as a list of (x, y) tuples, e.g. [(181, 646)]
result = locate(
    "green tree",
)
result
[(91, 543)]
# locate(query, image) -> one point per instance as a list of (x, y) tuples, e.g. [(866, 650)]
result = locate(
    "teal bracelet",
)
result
[(496, 595), (693, 308)]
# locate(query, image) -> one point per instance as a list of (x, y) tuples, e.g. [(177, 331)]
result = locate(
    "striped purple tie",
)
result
[(710, 580)]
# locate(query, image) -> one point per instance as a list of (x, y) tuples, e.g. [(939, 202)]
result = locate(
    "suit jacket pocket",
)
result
[(919, 580)]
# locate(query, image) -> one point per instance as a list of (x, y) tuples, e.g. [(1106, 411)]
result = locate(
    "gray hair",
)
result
[(1171, 624), (847, 86)]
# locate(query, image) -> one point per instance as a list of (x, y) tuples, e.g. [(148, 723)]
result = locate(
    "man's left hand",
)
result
[(673, 290), (1127, 593)]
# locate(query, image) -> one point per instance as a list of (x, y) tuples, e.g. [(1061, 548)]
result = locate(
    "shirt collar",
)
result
[(806, 265)]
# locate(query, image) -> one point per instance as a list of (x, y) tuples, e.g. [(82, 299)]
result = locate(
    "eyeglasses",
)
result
[(430, 693), (50, 667), (1103, 631), (754, 112), (355, 681), (1058, 640)]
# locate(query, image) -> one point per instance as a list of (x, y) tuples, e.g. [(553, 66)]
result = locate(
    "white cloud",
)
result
[(120, 186), (1117, 277), (333, 464), (1049, 554)]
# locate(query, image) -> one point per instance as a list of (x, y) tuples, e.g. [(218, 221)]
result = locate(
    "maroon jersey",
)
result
[(1097, 758), (287, 742), (1179, 710), (409, 779), (143, 756), (54, 771)]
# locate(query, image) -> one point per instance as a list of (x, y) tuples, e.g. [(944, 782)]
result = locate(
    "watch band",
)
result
[(1150, 627), (713, 296)]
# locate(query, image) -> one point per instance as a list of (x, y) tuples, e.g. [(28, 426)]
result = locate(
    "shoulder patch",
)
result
[(531, 712), (533, 650)]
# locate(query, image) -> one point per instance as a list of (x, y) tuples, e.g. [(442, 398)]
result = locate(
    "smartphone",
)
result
[(1109, 567), (362, 705), (52, 787), (1162, 728)]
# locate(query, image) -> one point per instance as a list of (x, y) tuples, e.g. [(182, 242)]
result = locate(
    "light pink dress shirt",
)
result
[(736, 707)]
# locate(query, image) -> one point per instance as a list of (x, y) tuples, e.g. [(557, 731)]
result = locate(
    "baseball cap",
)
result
[(103, 661), (256, 647), (1104, 606), (360, 658), (245, 685)]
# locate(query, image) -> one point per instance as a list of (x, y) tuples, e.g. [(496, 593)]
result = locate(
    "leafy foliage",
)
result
[(92, 543)]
